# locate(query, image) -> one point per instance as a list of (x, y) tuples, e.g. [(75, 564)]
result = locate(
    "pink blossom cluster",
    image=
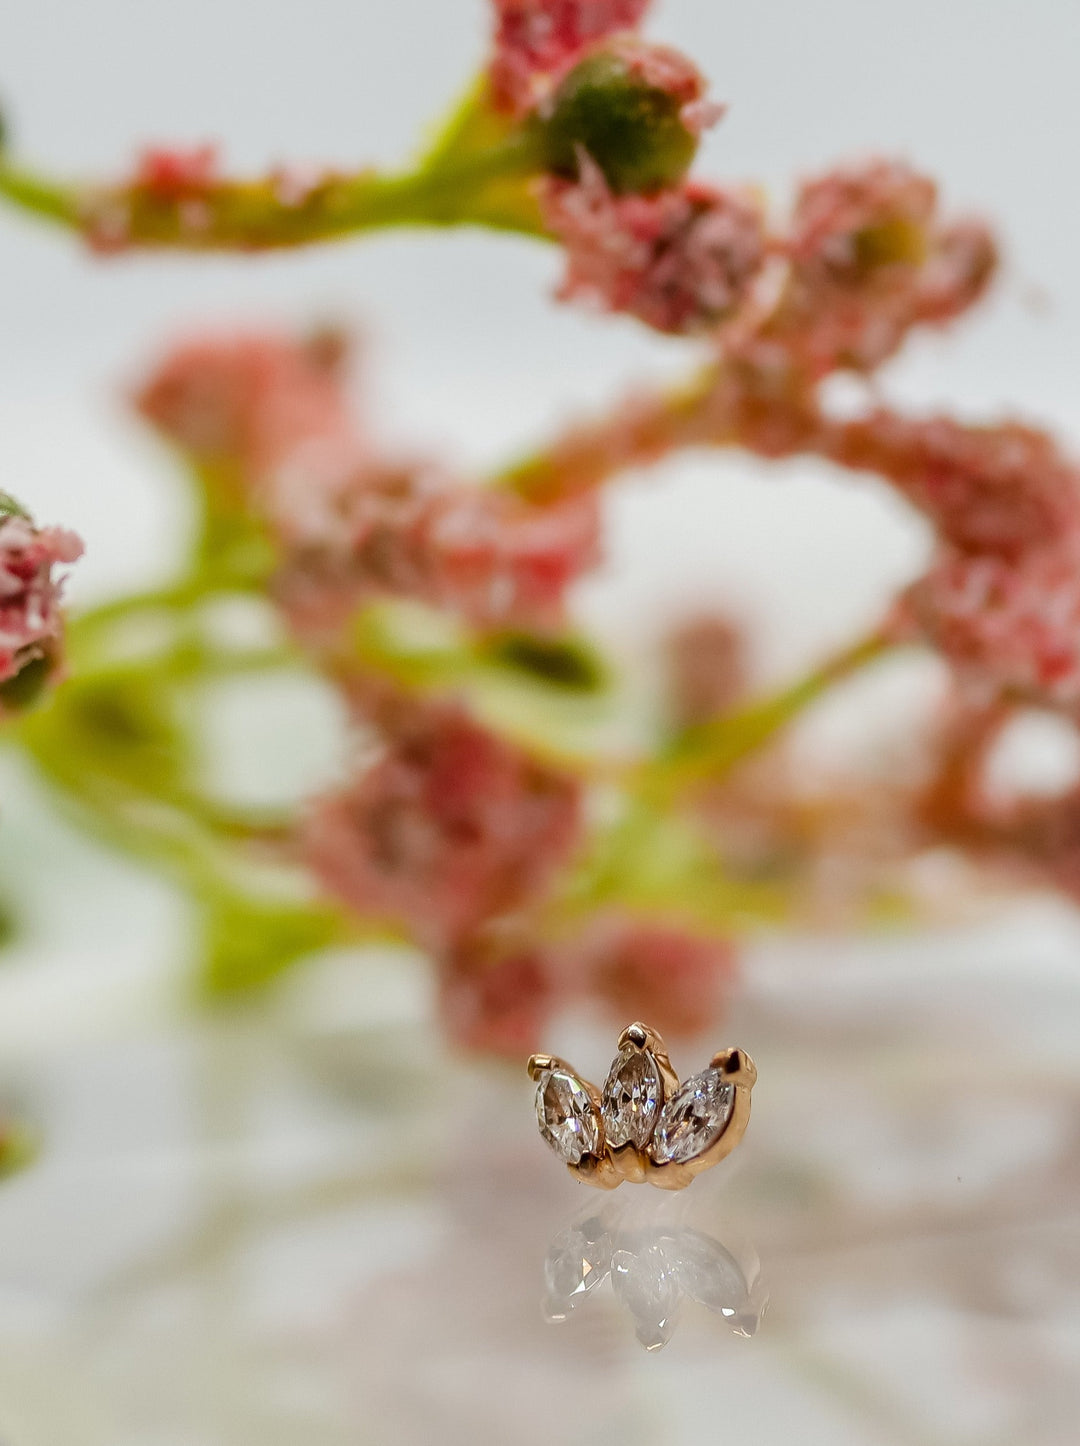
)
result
[(682, 260), (458, 837), (171, 173), (1001, 599), (270, 418), (1010, 628), (490, 558), (447, 829), (868, 258), (865, 258), (498, 993), (1003, 490), (179, 179), (31, 625), (536, 41), (249, 403)]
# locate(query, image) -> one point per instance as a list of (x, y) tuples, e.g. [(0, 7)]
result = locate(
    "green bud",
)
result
[(629, 126), (26, 687), (568, 664), (9, 507), (896, 242)]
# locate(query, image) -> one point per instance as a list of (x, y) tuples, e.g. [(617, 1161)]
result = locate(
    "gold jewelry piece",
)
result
[(644, 1125)]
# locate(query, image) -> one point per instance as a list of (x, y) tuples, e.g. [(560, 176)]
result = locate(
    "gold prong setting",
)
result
[(643, 1126)]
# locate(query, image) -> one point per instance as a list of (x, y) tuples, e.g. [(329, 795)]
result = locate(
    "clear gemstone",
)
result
[(694, 1117), (567, 1116), (633, 1094)]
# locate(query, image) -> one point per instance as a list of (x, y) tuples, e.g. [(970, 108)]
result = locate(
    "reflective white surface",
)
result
[(300, 1229)]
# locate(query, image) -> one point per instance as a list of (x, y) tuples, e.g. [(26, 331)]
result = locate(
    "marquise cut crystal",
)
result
[(566, 1115), (694, 1118), (633, 1095)]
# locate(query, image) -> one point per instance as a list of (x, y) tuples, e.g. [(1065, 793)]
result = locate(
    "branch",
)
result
[(285, 208)]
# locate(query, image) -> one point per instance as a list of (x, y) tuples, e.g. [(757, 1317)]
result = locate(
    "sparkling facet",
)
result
[(694, 1117), (567, 1116), (633, 1094)]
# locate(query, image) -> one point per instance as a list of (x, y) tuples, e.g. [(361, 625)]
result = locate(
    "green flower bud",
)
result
[(10, 506), (566, 663), (26, 687), (624, 107)]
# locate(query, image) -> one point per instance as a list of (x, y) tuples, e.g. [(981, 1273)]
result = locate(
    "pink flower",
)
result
[(253, 402), (1007, 628), (266, 420), (958, 270), (536, 40), (681, 260), (493, 559), (449, 828), (501, 562), (30, 619), (174, 174), (868, 260), (1004, 489), (641, 969), (496, 1000)]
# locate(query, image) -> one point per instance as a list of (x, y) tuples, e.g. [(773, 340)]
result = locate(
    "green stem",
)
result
[(261, 214), (89, 623), (48, 199), (712, 750), (655, 856), (639, 431)]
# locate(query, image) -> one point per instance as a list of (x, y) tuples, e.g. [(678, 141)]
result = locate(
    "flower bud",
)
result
[(22, 690), (633, 109), (536, 40), (31, 625), (682, 260)]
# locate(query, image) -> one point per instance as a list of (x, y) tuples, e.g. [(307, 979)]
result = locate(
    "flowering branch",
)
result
[(488, 814), (176, 200)]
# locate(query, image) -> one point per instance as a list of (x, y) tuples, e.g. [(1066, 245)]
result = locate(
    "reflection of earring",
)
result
[(654, 1261), (644, 1125)]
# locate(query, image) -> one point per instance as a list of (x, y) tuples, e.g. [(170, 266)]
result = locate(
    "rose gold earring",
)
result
[(644, 1125)]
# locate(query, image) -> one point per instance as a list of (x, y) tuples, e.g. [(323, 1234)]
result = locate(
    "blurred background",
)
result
[(305, 1221)]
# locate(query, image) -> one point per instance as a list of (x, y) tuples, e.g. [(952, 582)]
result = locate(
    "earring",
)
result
[(644, 1126)]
